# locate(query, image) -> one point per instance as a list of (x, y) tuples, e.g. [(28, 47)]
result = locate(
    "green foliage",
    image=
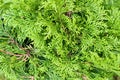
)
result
[(59, 39)]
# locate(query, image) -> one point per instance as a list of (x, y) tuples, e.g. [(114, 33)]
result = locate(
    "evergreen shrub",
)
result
[(59, 39)]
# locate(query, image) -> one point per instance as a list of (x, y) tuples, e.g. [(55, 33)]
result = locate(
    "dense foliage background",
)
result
[(59, 39)]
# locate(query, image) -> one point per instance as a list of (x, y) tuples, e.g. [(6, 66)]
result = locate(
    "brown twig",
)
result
[(6, 52), (69, 14), (84, 77), (29, 77), (23, 57)]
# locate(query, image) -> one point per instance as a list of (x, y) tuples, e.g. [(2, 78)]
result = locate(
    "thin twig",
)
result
[(23, 57), (29, 77)]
